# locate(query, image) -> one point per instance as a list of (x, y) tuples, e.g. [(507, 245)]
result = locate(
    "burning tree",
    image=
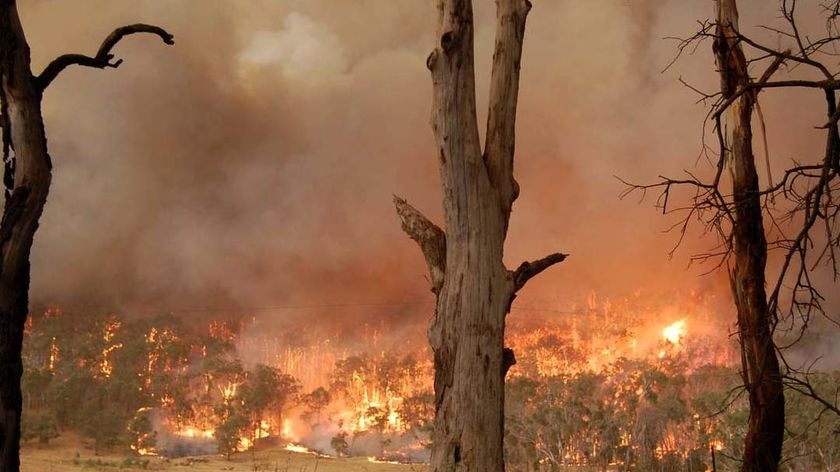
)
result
[(266, 393), (315, 402), (473, 287), (27, 177), (796, 214), (230, 431), (647, 403), (142, 433)]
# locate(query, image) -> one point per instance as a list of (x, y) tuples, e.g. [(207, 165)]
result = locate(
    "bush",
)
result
[(140, 430), (340, 445), (42, 426)]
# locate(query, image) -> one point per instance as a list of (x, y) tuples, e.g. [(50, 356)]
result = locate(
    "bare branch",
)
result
[(528, 270), (429, 236), (805, 388), (828, 84), (787, 55), (684, 43), (103, 57)]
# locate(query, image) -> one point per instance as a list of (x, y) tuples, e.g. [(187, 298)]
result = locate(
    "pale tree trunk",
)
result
[(474, 289), (760, 366), (27, 179)]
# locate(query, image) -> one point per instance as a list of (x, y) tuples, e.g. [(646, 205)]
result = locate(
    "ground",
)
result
[(69, 455)]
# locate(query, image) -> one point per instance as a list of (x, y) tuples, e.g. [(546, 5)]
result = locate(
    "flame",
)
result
[(263, 431), (244, 444), (374, 460), (221, 331), (193, 432), (287, 432), (228, 391), (298, 449), (53, 354), (152, 357), (157, 341), (373, 401), (674, 332), (106, 367), (291, 447), (142, 439), (167, 400), (143, 451)]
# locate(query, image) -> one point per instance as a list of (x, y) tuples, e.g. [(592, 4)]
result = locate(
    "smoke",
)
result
[(170, 444), (406, 446), (252, 164)]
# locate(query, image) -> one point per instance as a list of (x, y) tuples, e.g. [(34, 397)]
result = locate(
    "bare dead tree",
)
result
[(759, 365), (796, 215), (473, 287), (27, 177)]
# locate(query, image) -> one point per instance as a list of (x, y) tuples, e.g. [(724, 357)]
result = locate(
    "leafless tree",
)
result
[(795, 215), (473, 287), (27, 177)]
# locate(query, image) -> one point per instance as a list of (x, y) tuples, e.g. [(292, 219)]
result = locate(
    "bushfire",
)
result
[(609, 383)]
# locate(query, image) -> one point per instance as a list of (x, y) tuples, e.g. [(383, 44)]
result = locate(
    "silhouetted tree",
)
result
[(230, 431), (762, 377), (267, 391), (315, 402), (746, 217), (27, 177)]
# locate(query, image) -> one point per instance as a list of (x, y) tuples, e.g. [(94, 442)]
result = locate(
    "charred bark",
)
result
[(28, 173), (760, 366), (28, 179), (474, 289)]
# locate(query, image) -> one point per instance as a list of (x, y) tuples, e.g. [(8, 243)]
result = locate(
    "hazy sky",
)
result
[(253, 163)]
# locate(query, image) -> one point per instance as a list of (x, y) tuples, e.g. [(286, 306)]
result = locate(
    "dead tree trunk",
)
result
[(760, 366), (27, 179), (474, 289)]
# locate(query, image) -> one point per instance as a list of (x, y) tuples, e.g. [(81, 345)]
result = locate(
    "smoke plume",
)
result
[(250, 167)]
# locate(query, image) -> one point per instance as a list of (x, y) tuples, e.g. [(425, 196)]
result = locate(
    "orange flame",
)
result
[(674, 332), (106, 367)]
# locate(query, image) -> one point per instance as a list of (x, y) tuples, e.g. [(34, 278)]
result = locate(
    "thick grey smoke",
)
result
[(253, 163)]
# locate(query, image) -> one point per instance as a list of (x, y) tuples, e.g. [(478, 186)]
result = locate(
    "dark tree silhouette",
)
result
[(796, 215), (28, 173)]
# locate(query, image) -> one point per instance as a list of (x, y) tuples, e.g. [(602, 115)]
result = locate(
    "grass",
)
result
[(69, 455)]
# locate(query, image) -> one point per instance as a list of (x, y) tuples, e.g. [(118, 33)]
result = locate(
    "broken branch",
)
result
[(429, 236), (527, 270)]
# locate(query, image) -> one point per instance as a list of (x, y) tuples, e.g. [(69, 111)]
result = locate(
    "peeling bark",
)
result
[(760, 366), (28, 174), (474, 288)]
